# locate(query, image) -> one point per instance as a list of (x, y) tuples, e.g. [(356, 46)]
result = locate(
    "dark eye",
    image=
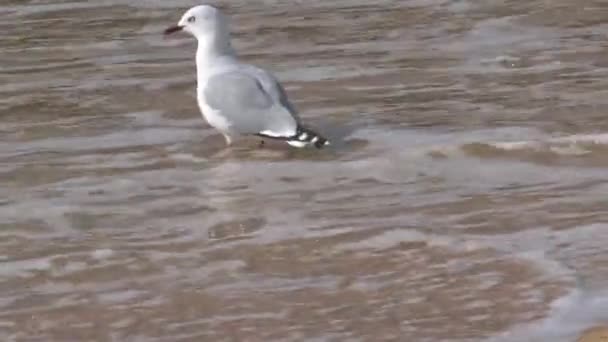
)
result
[(191, 19)]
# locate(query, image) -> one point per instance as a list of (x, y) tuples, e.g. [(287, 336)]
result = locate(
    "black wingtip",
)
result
[(321, 142), (307, 135), (303, 137)]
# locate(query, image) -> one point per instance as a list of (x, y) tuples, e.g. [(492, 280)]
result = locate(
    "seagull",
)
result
[(236, 98)]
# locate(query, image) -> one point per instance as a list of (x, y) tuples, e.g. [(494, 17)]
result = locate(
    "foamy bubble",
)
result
[(100, 254)]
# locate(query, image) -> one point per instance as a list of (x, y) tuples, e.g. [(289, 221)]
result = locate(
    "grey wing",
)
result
[(249, 108), (274, 88)]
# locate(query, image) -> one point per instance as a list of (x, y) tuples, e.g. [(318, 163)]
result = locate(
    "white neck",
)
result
[(211, 49)]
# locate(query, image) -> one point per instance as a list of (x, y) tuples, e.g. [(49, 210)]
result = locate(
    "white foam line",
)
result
[(415, 142), (598, 139), (394, 237), (571, 315)]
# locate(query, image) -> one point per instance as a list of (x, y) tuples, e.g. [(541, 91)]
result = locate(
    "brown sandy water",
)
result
[(464, 198)]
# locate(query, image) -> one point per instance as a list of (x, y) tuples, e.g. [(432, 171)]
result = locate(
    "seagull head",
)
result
[(202, 21)]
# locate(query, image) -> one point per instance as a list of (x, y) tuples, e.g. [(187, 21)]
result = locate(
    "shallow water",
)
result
[(464, 197)]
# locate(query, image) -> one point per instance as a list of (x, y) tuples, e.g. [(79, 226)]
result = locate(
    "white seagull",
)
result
[(236, 98)]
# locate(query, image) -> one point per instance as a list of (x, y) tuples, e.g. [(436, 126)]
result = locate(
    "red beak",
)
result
[(173, 29)]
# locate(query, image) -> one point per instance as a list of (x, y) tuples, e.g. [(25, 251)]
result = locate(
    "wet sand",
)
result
[(595, 334), (464, 198)]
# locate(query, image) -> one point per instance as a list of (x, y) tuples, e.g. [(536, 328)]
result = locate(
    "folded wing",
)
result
[(249, 106)]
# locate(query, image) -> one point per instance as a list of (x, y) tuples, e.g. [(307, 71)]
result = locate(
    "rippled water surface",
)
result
[(464, 197)]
